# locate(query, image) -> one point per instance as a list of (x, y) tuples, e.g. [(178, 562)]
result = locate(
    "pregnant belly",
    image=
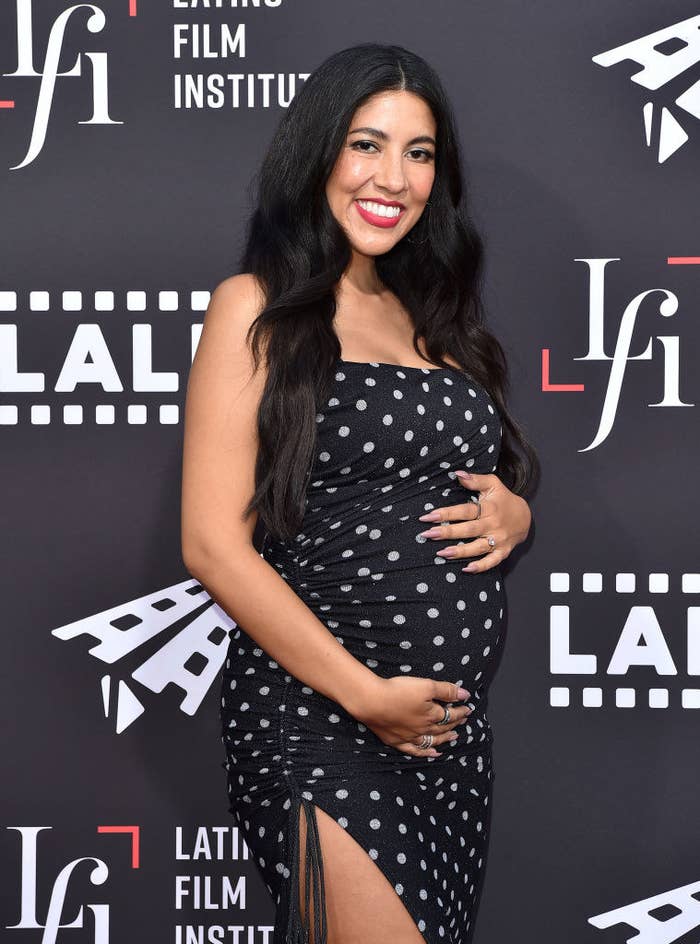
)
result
[(430, 620)]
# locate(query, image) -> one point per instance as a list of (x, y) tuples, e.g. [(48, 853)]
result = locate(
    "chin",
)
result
[(374, 250)]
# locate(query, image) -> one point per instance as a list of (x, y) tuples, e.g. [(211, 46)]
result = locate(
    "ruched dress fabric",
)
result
[(389, 441)]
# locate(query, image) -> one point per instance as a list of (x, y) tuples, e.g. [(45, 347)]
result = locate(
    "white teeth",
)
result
[(379, 209)]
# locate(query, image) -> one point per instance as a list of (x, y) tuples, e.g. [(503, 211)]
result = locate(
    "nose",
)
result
[(390, 174)]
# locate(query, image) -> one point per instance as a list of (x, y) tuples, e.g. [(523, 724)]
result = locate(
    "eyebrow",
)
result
[(383, 136)]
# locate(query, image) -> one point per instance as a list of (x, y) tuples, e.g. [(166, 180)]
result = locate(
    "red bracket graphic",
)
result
[(546, 385), (135, 839)]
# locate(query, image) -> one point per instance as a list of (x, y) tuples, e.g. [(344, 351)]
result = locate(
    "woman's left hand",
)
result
[(505, 517)]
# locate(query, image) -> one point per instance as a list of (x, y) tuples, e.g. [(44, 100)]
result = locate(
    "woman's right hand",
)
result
[(401, 709)]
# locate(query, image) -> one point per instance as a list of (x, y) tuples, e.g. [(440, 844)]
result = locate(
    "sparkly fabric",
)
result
[(389, 440)]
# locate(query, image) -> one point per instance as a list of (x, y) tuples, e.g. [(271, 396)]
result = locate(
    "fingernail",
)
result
[(447, 552), (470, 567), (463, 693), (431, 533), (463, 475), (434, 753), (431, 516)]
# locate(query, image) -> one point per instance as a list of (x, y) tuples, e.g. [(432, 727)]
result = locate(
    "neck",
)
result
[(361, 275)]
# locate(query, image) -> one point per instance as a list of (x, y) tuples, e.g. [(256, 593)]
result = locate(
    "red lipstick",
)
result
[(385, 222)]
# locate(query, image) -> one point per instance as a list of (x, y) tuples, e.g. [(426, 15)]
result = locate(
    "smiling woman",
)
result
[(381, 178), (343, 380)]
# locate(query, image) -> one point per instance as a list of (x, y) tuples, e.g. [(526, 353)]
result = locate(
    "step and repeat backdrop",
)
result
[(130, 131)]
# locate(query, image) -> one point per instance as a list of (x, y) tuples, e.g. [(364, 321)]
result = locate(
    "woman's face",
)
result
[(384, 173)]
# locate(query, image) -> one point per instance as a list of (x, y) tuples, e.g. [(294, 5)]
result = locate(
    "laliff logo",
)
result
[(68, 875), (97, 364), (669, 377), (49, 74), (664, 56), (609, 651), (176, 636), (661, 919)]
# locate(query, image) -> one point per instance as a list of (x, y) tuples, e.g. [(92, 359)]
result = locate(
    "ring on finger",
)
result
[(427, 741), (491, 540), (446, 717)]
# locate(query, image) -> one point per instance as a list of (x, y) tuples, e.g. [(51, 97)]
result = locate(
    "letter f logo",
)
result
[(25, 67), (621, 356)]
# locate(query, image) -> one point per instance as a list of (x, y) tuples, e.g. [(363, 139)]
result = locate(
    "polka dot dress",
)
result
[(389, 441)]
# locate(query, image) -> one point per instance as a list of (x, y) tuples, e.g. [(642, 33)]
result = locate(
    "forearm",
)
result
[(255, 596)]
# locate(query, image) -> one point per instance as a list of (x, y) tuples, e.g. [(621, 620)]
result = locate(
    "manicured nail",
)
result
[(470, 568), (431, 516), (463, 475), (431, 533), (463, 693), (447, 552), (434, 753)]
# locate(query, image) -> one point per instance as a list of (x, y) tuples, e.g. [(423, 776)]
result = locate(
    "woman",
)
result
[(341, 382)]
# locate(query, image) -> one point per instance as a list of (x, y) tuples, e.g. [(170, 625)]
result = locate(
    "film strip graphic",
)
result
[(661, 919), (176, 636), (608, 652), (90, 369), (663, 57)]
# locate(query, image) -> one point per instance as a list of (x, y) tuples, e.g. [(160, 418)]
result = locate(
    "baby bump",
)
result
[(432, 621)]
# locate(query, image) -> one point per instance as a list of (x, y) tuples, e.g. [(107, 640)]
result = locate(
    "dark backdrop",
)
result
[(123, 197)]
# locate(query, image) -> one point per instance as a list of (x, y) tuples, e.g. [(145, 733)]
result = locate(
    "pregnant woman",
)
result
[(343, 384)]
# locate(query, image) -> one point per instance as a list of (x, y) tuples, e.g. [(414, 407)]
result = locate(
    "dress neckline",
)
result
[(341, 360)]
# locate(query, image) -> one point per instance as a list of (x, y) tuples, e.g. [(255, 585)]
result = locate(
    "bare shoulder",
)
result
[(242, 288), (236, 302), (233, 306)]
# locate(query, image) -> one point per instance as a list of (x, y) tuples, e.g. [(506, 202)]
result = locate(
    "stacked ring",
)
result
[(446, 717)]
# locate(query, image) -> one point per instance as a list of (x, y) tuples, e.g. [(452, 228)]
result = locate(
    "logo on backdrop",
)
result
[(87, 365), (97, 77), (664, 56), (669, 356), (176, 636), (203, 886), (97, 872), (661, 919), (630, 653)]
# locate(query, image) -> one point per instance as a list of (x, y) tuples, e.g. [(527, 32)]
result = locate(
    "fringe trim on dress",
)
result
[(289, 927)]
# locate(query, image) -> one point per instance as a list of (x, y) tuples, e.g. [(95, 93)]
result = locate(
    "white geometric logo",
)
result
[(180, 636), (663, 56), (677, 913)]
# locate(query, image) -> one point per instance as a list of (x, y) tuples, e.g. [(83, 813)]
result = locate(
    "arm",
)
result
[(220, 447)]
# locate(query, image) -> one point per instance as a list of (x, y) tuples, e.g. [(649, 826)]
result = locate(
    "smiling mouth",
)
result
[(379, 214)]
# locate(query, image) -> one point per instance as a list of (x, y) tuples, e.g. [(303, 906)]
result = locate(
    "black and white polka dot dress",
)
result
[(389, 441)]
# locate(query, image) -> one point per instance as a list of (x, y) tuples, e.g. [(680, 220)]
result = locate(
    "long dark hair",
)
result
[(298, 251)]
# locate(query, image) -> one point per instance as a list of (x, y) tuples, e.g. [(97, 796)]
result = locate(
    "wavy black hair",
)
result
[(298, 252)]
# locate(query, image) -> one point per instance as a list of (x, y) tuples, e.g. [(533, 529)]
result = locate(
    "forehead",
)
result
[(395, 112)]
